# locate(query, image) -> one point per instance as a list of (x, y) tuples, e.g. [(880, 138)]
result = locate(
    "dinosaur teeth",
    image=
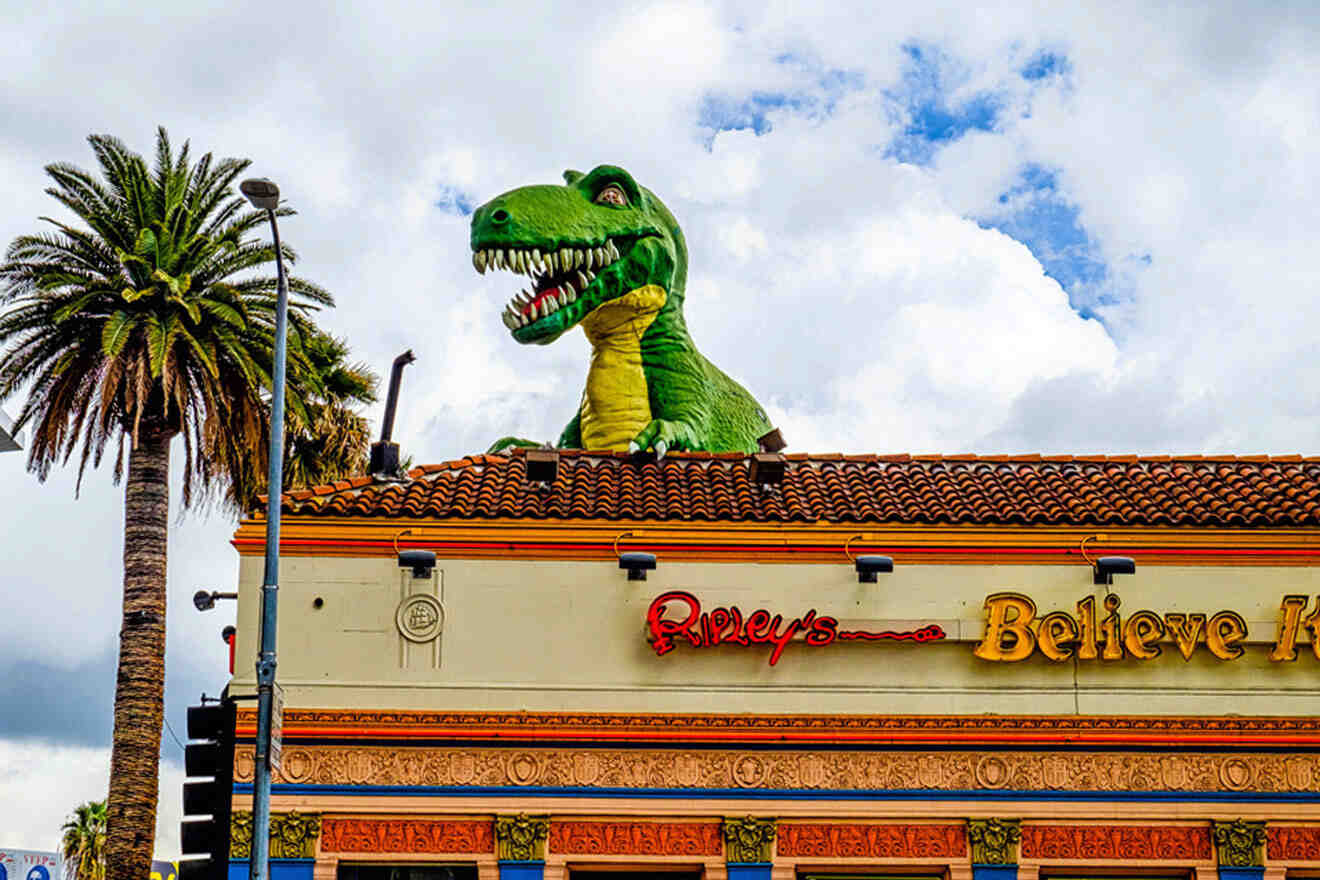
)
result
[(479, 262), (583, 280), (509, 320), (612, 250), (591, 258), (568, 290), (563, 298)]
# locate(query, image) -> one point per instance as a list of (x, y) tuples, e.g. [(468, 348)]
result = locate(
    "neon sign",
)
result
[(728, 626)]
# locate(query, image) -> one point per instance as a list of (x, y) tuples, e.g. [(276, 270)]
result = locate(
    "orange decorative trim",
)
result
[(742, 542), (1293, 843), (636, 838), (860, 841), (970, 730), (407, 836), (1115, 842)]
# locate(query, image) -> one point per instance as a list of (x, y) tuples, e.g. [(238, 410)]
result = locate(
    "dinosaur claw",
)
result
[(660, 449), (632, 446)]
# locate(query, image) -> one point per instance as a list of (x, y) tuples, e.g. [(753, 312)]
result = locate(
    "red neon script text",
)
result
[(706, 629)]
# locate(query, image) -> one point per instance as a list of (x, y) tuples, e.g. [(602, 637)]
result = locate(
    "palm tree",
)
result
[(148, 318), (83, 844), (326, 439)]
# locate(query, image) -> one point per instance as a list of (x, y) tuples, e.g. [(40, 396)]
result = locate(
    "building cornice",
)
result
[(818, 543)]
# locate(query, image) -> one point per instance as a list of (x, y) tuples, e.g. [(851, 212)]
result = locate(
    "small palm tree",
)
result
[(150, 317), (83, 844), (326, 438)]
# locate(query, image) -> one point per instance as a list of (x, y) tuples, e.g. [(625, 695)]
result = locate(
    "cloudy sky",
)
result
[(914, 227)]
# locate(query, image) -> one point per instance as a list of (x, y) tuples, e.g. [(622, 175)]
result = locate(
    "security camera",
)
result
[(204, 600)]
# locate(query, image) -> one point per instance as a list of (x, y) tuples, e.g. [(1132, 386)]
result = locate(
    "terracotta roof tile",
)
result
[(1206, 491)]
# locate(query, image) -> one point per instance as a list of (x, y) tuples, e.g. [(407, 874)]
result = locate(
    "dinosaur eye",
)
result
[(612, 195)]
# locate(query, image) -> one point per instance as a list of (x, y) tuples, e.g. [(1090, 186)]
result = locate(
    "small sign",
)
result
[(24, 864), (276, 728)]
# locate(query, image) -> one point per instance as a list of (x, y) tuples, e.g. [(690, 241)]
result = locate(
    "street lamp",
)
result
[(265, 196)]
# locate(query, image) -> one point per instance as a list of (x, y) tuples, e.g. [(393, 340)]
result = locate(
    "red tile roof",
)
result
[(1207, 491)]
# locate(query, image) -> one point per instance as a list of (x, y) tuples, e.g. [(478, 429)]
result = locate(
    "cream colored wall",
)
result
[(570, 636)]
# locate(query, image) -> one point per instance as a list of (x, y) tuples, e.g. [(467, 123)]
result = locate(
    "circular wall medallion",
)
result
[(420, 618)]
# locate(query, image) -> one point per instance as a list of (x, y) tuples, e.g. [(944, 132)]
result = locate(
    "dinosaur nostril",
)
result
[(500, 216)]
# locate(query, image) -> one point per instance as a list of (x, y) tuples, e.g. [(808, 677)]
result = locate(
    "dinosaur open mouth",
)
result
[(558, 276)]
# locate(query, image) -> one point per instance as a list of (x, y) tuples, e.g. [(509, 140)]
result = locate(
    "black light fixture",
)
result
[(869, 566), (422, 562), (1107, 566), (204, 600), (1104, 568), (637, 564), (542, 465), (767, 468)]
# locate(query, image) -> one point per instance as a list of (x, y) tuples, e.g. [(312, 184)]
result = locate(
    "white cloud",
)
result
[(41, 784)]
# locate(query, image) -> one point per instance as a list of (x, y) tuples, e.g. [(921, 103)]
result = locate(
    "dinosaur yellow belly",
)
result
[(616, 405)]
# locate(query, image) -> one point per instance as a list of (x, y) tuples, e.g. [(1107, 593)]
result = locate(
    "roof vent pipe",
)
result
[(384, 453)]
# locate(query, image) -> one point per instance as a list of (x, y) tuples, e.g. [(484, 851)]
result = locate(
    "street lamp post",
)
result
[(265, 196)]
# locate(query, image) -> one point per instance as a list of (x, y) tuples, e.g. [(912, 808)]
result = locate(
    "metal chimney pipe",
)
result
[(392, 397), (384, 461)]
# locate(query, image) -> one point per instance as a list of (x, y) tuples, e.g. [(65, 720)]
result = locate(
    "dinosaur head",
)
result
[(592, 240)]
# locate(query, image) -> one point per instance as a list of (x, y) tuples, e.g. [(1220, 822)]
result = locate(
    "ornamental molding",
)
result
[(748, 840), (521, 838), (1240, 844), (293, 835), (819, 728), (407, 836), (870, 841), (1293, 843), (636, 838), (994, 841), (799, 769), (1049, 842)]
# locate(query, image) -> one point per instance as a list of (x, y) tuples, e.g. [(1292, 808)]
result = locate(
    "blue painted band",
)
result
[(540, 862), (994, 872), (899, 794), (1226, 873)]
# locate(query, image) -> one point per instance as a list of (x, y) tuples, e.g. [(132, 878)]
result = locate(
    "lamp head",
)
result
[(1108, 566), (422, 562), (637, 564), (869, 566), (261, 192), (204, 600)]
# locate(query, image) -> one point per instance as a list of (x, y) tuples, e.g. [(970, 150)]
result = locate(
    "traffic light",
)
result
[(213, 757)]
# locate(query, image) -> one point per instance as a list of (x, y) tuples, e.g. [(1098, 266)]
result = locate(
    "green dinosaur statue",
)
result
[(605, 253)]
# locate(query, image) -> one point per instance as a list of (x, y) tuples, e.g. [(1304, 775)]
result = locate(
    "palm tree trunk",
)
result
[(140, 686)]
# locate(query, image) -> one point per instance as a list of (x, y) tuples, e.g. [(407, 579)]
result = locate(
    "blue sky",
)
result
[(933, 111)]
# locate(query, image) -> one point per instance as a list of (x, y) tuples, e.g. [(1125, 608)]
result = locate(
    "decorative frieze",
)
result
[(1292, 843), (748, 839), (1049, 842), (994, 841), (841, 840), (292, 835), (521, 838), (636, 838), (801, 769), (1240, 844), (408, 836)]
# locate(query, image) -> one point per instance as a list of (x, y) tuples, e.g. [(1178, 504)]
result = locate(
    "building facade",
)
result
[(770, 702)]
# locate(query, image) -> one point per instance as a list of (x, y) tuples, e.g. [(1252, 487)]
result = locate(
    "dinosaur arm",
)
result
[(571, 438)]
